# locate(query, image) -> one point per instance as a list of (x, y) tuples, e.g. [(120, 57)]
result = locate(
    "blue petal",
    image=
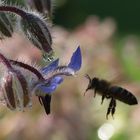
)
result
[(47, 89), (57, 80), (76, 60), (50, 67)]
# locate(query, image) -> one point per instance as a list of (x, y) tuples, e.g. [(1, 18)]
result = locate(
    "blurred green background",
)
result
[(71, 13), (108, 33)]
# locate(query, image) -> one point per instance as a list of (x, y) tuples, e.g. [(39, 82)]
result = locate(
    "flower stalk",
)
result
[(35, 28)]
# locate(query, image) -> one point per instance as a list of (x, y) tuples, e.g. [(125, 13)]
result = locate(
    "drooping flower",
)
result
[(21, 81), (54, 73)]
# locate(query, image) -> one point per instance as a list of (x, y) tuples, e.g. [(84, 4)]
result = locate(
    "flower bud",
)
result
[(8, 92), (37, 31), (14, 86), (15, 90)]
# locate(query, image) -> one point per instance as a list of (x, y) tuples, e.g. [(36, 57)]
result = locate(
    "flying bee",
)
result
[(106, 90)]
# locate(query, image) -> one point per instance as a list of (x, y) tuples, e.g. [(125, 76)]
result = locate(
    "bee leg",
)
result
[(103, 97), (113, 108), (109, 108), (89, 85), (95, 93)]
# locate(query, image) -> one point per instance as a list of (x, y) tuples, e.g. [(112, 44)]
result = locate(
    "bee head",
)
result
[(92, 83)]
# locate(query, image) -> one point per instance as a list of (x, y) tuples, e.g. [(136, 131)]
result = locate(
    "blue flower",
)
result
[(20, 81), (51, 86), (57, 71), (53, 78)]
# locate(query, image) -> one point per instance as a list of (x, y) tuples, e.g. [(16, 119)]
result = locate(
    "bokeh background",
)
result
[(108, 33)]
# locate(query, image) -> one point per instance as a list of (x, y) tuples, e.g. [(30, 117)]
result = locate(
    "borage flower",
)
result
[(20, 81), (53, 77)]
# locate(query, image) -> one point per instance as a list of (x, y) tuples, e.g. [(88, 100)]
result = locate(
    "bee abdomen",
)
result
[(123, 95)]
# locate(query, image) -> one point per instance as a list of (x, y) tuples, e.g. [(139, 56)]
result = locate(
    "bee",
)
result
[(106, 90)]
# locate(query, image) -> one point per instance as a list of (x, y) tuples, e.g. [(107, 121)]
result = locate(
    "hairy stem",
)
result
[(5, 62), (28, 67), (13, 10)]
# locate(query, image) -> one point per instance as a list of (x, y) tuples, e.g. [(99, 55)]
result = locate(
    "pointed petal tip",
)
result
[(78, 48), (76, 60)]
